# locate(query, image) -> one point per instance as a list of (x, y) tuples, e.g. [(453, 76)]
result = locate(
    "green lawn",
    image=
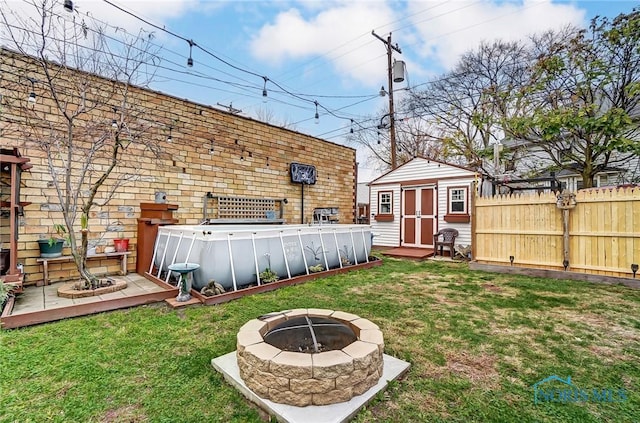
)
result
[(477, 342)]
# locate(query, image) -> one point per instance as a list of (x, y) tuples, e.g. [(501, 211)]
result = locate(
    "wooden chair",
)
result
[(445, 238)]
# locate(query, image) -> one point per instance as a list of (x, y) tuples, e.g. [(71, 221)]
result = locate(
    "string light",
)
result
[(32, 94), (317, 116), (68, 5), (190, 59), (264, 89), (170, 138), (114, 122)]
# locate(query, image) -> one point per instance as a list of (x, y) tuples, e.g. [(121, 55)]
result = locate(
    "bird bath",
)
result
[(184, 286)]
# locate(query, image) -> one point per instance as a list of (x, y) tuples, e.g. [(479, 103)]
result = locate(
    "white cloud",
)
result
[(452, 28), (341, 34), (434, 33)]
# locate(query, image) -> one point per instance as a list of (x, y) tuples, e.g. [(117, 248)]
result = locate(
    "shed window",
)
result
[(458, 200), (385, 203), (384, 206)]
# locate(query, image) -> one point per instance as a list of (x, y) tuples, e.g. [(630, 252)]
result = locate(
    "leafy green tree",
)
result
[(583, 98)]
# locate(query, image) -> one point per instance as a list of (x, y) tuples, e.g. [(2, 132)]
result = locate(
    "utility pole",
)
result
[(392, 127)]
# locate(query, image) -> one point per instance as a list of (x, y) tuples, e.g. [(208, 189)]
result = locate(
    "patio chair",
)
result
[(445, 238)]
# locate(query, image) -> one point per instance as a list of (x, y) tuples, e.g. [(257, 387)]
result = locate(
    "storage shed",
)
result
[(412, 202)]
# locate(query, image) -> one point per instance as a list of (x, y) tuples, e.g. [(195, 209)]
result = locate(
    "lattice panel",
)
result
[(239, 208)]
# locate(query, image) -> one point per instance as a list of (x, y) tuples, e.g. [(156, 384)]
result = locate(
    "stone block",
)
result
[(373, 336), (320, 312), (341, 315), (246, 338), (363, 324), (253, 325), (259, 355), (363, 353), (257, 387), (312, 386), (289, 397), (370, 381), (292, 365), (270, 380), (273, 321), (331, 364), (351, 379), (246, 371), (296, 312), (332, 397)]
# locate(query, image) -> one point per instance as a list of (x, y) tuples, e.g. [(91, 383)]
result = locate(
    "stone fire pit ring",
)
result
[(301, 379)]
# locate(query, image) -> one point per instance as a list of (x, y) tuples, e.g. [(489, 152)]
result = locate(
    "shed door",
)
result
[(418, 217)]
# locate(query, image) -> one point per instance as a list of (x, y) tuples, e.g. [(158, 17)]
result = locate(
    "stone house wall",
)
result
[(250, 159)]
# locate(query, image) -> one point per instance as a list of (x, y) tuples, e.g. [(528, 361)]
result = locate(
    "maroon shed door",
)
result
[(409, 217), (418, 217)]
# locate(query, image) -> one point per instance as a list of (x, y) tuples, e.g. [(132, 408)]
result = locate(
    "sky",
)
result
[(320, 55)]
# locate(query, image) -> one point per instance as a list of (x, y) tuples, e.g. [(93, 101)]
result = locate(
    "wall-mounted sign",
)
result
[(303, 173)]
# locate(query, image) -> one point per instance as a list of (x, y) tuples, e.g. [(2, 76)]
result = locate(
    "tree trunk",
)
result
[(81, 262)]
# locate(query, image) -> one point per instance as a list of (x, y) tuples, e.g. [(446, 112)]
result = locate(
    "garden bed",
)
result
[(228, 296)]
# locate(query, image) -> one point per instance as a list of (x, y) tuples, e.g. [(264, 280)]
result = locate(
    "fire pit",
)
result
[(310, 356)]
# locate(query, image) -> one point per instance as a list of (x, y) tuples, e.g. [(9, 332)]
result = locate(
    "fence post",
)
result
[(566, 202)]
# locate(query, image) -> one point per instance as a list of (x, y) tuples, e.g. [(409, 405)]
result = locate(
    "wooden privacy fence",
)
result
[(527, 231)]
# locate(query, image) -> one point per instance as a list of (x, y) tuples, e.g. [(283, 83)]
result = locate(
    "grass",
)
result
[(477, 342)]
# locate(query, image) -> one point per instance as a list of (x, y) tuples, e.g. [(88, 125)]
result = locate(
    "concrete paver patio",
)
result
[(38, 298)]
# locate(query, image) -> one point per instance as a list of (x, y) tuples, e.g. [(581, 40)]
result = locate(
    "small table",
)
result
[(45, 262), (185, 270)]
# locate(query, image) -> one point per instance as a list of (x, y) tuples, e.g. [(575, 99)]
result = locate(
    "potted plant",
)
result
[(268, 276), (52, 247), (121, 243), (5, 293)]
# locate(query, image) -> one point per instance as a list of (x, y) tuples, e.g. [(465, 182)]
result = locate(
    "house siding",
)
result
[(464, 229), (420, 169), (532, 160), (386, 234)]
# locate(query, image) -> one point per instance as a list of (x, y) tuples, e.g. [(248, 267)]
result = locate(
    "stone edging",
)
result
[(302, 379), (68, 290)]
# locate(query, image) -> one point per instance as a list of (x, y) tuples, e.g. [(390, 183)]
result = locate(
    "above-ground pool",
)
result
[(235, 256)]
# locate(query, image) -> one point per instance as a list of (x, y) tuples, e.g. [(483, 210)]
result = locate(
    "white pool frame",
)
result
[(235, 255)]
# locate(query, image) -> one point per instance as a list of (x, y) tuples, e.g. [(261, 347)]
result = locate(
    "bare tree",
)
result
[(87, 116), (470, 104), (264, 114)]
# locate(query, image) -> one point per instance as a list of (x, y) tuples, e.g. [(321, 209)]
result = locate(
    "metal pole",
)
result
[(302, 205)]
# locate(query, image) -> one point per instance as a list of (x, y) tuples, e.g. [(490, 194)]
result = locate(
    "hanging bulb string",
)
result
[(193, 43), (206, 51), (190, 63)]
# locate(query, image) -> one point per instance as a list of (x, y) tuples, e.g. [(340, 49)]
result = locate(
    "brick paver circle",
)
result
[(302, 379)]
